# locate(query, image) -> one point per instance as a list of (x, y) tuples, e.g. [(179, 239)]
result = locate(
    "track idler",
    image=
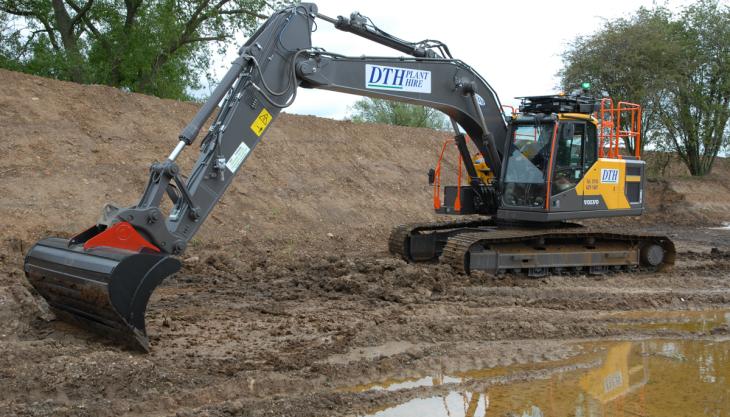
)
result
[(100, 286)]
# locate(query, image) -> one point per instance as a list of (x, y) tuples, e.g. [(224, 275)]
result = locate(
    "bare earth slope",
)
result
[(68, 149), (288, 298)]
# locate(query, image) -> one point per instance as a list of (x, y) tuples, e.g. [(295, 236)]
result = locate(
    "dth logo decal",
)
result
[(609, 176), (400, 79)]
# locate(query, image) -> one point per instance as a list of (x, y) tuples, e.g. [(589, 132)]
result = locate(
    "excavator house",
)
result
[(523, 177)]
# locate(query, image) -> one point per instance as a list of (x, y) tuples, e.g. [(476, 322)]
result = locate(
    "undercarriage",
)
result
[(556, 248)]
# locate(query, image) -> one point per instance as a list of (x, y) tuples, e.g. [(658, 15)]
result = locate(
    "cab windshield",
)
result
[(527, 164)]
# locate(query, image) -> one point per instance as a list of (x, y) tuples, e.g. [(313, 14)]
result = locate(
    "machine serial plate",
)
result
[(237, 158)]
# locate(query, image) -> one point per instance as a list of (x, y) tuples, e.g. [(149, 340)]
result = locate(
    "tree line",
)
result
[(157, 47), (676, 65)]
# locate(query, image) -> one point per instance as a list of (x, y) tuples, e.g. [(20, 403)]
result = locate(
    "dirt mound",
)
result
[(70, 148), (675, 197)]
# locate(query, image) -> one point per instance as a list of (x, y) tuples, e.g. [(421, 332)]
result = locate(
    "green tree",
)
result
[(375, 110), (149, 46), (677, 66), (697, 107), (630, 60)]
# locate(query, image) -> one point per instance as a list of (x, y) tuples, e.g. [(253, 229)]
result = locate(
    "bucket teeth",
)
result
[(104, 290)]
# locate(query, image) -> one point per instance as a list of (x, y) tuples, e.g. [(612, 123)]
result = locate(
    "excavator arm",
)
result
[(264, 79), (103, 277)]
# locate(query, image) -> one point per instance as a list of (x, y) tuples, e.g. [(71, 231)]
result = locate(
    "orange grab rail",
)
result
[(437, 179), (610, 133)]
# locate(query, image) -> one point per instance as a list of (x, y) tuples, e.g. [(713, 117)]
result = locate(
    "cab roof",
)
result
[(559, 104)]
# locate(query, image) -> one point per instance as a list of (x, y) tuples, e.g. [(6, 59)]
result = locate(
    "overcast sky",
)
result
[(514, 45)]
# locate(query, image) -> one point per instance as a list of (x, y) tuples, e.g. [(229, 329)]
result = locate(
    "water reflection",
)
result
[(453, 404), (648, 378)]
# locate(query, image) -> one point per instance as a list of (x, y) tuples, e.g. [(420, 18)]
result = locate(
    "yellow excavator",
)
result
[(557, 159)]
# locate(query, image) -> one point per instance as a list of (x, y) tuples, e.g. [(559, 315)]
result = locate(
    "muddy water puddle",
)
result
[(703, 322), (652, 377), (646, 378)]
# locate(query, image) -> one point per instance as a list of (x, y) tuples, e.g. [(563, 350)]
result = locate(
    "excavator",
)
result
[(556, 159)]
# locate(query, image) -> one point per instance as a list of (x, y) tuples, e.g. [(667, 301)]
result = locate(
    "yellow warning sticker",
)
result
[(261, 121)]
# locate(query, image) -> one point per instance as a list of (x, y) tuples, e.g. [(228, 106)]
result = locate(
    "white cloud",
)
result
[(515, 45)]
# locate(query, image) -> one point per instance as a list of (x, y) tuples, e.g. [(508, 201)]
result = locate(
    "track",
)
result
[(399, 241), (480, 245)]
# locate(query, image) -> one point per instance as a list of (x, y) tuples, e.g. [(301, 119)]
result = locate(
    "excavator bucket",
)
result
[(104, 289)]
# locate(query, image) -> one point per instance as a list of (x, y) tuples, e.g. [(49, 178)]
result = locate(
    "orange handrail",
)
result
[(549, 182), (437, 178), (511, 108), (609, 124), (634, 112)]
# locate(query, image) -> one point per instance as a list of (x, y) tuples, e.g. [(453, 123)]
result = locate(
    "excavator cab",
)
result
[(566, 159)]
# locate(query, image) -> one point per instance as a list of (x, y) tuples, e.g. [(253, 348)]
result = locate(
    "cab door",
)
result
[(588, 185), (575, 152)]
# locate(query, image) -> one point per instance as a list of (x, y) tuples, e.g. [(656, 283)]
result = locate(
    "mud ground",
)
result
[(288, 299), (290, 336)]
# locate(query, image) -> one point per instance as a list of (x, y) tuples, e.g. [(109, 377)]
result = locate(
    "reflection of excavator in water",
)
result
[(602, 382), (615, 379), (540, 168)]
